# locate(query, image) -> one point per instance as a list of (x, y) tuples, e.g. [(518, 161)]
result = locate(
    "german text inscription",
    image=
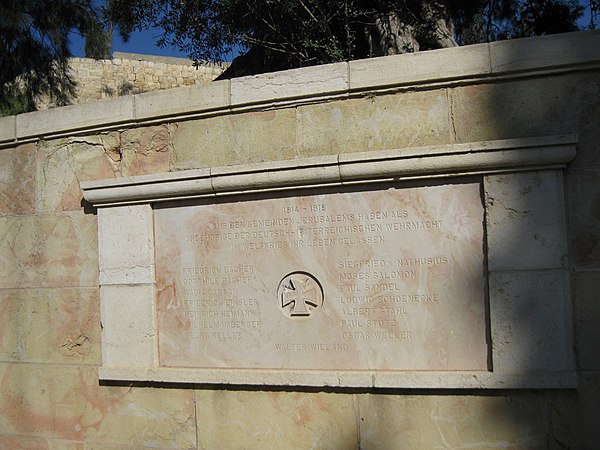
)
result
[(375, 280)]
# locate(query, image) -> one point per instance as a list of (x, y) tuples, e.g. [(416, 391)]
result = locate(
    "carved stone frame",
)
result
[(526, 274)]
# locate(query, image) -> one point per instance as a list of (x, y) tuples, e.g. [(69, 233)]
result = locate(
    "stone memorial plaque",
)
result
[(374, 280)]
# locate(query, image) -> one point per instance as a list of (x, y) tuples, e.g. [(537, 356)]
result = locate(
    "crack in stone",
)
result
[(80, 346)]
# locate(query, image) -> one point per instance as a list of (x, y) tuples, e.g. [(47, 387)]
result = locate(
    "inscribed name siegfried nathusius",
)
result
[(375, 280)]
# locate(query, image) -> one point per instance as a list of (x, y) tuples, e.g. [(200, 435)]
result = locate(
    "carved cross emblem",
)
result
[(299, 295)]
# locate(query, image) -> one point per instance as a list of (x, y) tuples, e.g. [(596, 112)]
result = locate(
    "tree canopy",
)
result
[(271, 34), (282, 34), (34, 49)]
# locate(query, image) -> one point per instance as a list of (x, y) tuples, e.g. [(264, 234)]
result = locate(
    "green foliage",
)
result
[(280, 34), (509, 19), (98, 41), (34, 50), (15, 101)]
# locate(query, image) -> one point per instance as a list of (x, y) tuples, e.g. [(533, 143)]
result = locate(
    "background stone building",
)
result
[(130, 73)]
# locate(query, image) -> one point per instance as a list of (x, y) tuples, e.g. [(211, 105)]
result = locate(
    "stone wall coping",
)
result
[(398, 164), (8, 128), (164, 59), (515, 58)]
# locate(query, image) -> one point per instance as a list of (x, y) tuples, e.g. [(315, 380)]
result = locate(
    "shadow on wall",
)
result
[(540, 269), (530, 279), (530, 238)]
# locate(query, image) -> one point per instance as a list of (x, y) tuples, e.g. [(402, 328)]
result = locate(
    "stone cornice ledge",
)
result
[(402, 164), (496, 60), (345, 379)]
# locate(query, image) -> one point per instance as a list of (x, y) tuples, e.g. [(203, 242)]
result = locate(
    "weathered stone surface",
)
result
[(419, 67), (99, 113), (525, 221), (183, 100), (377, 123), (482, 112), (290, 83), (573, 415), (479, 422), (554, 105), (583, 194), (33, 443), (549, 106), (586, 286), (128, 333), (238, 139), (126, 244), (249, 419), (17, 180), (111, 143), (145, 150), (275, 174), (342, 281), (64, 163), (48, 251), (543, 51), (531, 321), (50, 325), (7, 128), (66, 402), (104, 446), (125, 74), (585, 91)]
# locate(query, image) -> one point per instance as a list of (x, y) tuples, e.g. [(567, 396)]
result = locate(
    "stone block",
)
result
[(586, 286), (107, 446), (38, 443), (50, 325), (7, 128), (201, 97), (531, 321), (288, 84), (545, 106), (583, 195), (145, 150), (420, 67), (126, 244), (379, 123), (238, 139), (64, 163), (525, 217), (545, 51), (66, 402), (460, 421), (55, 120), (585, 109), (129, 331), (255, 419), (17, 180), (48, 251), (573, 415)]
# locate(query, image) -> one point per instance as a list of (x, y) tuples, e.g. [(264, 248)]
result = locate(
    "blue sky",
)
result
[(140, 42), (143, 42)]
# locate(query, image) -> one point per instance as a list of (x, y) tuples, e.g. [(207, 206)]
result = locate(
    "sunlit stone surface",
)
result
[(376, 280)]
